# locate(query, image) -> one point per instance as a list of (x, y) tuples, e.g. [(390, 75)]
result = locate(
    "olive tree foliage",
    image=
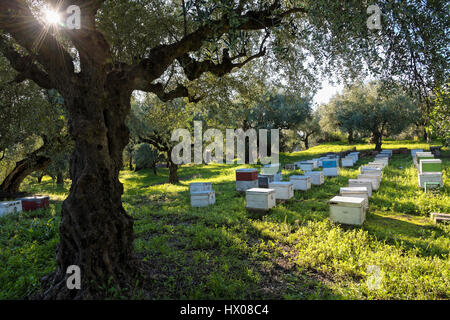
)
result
[(368, 109), (33, 128), (146, 156), (440, 115), (152, 122), (415, 51), (164, 47)]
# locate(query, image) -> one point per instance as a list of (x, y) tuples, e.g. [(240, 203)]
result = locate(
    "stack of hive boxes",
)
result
[(351, 205), (202, 194), (430, 171), (246, 179), (330, 167)]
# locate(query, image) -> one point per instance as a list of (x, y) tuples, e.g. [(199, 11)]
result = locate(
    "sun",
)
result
[(51, 17)]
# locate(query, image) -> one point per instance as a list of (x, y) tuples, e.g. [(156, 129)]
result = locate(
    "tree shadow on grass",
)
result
[(410, 235)]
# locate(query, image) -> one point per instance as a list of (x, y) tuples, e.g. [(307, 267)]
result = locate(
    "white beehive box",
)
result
[(414, 151), (430, 177), (430, 165), (331, 172), (284, 190), (301, 182), (306, 166), (356, 192), (202, 198), (377, 164), (260, 199), (200, 186), (372, 178), (7, 207), (347, 162), (347, 210), (369, 169), (317, 177), (314, 163), (361, 183)]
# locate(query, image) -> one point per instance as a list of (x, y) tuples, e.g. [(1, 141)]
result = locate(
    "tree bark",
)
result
[(33, 162), (306, 141), (60, 178), (96, 233), (173, 172), (130, 164), (350, 137)]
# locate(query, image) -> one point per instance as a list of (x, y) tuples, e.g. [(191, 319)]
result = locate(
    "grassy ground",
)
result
[(224, 252)]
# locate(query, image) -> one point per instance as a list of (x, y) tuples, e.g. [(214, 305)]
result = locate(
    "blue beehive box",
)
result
[(329, 163)]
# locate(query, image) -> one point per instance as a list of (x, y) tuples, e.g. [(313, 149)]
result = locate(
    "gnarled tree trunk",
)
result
[(96, 232)]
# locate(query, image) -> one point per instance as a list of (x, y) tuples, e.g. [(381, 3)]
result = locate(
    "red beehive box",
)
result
[(246, 174), (33, 203)]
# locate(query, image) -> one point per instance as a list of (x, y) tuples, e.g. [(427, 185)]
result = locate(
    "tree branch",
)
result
[(160, 57), (25, 66)]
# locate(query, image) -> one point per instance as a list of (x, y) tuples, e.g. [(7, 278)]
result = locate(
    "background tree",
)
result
[(309, 128), (440, 115), (370, 110), (146, 157)]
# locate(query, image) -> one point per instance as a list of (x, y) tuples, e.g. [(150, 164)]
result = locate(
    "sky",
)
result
[(324, 95)]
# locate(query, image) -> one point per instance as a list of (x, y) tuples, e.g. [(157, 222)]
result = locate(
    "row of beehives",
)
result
[(352, 204), (25, 204), (430, 169), (263, 189)]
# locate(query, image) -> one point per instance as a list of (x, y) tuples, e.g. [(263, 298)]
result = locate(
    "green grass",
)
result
[(225, 252)]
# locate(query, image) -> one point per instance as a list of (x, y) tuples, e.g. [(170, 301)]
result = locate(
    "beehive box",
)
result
[(422, 156), (430, 165), (260, 199), (369, 169), (314, 162), (430, 177), (387, 152), (34, 203), (374, 179), (264, 180), (301, 182), (306, 166), (331, 172), (361, 183), (347, 162), (284, 190), (7, 207), (200, 186), (330, 163), (377, 164), (317, 177), (356, 192), (376, 173), (414, 151), (289, 166), (202, 198), (245, 185), (246, 174), (347, 210), (272, 168)]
